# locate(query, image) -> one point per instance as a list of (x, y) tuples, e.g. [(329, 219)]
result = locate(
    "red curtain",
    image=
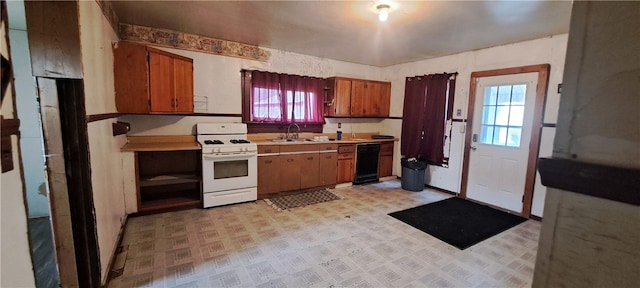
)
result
[(266, 101), (283, 98), (304, 99), (426, 105), (413, 116)]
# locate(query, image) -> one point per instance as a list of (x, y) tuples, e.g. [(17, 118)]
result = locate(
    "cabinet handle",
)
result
[(328, 157), (173, 102), (268, 161), (289, 160), (177, 103), (309, 158)]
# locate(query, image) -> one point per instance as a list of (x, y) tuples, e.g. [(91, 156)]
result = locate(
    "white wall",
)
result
[(549, 50), (107, 177), (31, 141)]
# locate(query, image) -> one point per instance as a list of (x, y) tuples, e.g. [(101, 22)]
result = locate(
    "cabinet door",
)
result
[(377, 99), (342, 98), (161, 83), (358, 98), (385, 162), (268, 175), (345, 170), (328, 168), (385, 166), (183, 86), (290, 172), (131, 78), (309, 170)]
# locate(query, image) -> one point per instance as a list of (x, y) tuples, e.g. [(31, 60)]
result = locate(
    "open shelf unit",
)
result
[(168, 180)]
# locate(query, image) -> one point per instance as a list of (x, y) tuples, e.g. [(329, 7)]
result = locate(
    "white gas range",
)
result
[(229, 164)]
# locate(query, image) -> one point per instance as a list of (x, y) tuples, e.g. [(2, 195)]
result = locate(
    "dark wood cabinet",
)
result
[(152, 81), (346, 163), (385, 162), (168, 180), (355, 97)]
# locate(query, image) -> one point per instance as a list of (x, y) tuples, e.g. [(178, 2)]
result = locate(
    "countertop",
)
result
[(347, 138), (160, 143), (343, 141)]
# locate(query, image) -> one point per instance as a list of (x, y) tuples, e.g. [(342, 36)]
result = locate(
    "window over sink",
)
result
[(272, 101)]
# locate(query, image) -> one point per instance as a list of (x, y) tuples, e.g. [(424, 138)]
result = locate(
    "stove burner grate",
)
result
[(211, 142)]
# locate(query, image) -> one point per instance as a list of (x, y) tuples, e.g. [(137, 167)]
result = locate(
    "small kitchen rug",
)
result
[(458, 222), (303, 199)]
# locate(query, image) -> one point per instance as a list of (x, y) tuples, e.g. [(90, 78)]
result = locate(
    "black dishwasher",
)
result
[(367, 163)]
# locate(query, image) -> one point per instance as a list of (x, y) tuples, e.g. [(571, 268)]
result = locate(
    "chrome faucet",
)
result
[(295, 136)]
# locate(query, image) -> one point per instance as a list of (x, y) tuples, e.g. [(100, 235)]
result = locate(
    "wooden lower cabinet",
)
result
[(346, 163), (309, 170), (385, 162), (328, 168), (269, 168), (290, 172), (295, 167), (168, 180)]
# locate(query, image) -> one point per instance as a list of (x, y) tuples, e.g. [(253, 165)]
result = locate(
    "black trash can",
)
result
[(413, 174)]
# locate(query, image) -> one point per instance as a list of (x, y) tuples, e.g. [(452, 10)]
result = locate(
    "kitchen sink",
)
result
[(290, 140)]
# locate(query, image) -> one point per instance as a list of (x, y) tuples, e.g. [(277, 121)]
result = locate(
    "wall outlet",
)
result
[(339, 125)]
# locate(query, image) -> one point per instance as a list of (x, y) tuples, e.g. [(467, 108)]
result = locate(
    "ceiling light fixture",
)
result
[(383, 12)]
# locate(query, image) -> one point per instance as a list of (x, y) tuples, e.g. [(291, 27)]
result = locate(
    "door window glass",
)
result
[(503, 115)]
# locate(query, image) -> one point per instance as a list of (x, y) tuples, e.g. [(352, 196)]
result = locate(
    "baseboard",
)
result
[(116, 252), (441, 190), (343, 185), (534, 217)]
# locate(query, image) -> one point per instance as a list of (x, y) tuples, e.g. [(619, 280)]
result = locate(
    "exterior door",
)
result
[(501, 134)]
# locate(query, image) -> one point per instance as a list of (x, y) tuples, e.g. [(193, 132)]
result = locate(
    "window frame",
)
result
[(264, 127)]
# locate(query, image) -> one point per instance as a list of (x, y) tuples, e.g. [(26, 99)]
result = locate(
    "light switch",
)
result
[(459, 112), (339, 125)]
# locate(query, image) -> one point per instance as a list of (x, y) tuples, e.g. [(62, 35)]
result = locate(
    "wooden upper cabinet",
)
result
[(183, 73), (152, 81), (339, 97), (378, 98), (356, 97)]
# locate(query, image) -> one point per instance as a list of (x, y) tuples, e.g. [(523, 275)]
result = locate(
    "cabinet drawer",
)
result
[(267, 149), (344, 149), (298, 148), (386, 149), (325, 147)]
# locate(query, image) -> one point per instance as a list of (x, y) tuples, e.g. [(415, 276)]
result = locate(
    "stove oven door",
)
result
[(229, 172)]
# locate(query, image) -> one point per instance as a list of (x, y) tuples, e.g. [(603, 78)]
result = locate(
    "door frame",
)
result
[(536, 128)]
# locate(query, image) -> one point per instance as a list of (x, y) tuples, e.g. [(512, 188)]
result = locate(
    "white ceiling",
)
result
[(350, 31)]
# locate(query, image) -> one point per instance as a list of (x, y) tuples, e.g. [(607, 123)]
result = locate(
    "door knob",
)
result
[(473, 148)]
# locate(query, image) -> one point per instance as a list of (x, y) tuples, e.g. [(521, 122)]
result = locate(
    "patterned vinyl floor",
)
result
[(350, 242)]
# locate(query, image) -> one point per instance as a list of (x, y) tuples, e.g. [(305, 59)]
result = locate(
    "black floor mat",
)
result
[(459, 222)]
